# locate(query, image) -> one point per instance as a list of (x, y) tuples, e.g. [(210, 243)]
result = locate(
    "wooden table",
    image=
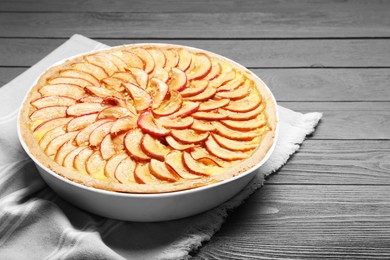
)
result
[(332, 198)]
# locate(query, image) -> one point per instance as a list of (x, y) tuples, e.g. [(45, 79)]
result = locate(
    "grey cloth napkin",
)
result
[(37, 224)]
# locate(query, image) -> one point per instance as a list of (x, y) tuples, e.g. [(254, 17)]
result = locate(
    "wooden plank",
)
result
[(337, 162), (250, 53), (306, 222), (8, 74), (324, 23)]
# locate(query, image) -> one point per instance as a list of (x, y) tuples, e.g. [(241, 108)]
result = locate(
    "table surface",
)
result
[(332, 198)]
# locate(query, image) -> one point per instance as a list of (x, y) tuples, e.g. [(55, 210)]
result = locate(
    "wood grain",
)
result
[(287, 24), (306, 222)]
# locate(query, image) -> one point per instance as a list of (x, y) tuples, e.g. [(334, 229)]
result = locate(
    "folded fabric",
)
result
[(37, 224)]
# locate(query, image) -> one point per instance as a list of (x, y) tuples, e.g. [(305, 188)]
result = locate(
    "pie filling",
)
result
[(159, 116)]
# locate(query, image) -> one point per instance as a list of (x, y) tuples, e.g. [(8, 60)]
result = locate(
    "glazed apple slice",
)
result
[(245, 115), (45, 114), (119, 63), (142, 99), (80, 122), (170, 105), (201, 154), (214, 72), (95, 166), (177, 79), (94, 70), (97, 135), (238, 81), (103, 92), (172, 58), (46, 126), (119, 142), (174, 162), (132, 60), (63, 151), (70, 157), (250, 124), (149, 125), (112, 164), (124, 173), (208, 93), (235, 94), (186, 109), (189, 136), (223, 78), (199, 168), (142, 174), (245, 104), (140, 76), (146, 57), (185, 59), (83, 136), (80, 74), (176, 123), (177, 145), (55, 144), (160, 171), (235, 145), (158, 90), (107, 147), (233, 134), (203, 125), (90, 99), (80, 160), (124, 124), (64, 90), (84, 109), (214, 148), (125, 77), (213, 104), (196, 87), (132, 143), (69, 80), (50, 135), (101, 61), (158, 57), (114, 112), (200, 66), (153, 147), (212, 115), (161, 74)]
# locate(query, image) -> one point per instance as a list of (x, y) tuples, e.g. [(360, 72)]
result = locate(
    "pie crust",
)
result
[(148, 118)]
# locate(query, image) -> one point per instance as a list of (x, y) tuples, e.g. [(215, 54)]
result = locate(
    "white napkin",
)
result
[(36, 224)]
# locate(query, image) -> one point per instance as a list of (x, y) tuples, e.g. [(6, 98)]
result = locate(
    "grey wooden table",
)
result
[(332, 199)]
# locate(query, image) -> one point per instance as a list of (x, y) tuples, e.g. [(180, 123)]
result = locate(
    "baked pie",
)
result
[(148, 119)]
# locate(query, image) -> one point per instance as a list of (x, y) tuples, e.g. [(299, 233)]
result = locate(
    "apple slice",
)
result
[(142, 99), (46, 126), (200, 66), (213, 104), (101, 61), (213, 115), (84, 109), (189, 136), (64, 90), (107, 147), (250, 124), (97, 135), (69, 80), (214, 72), (234, 145), (55, 144), (176, 123), (95, 166), (246, 115), (112, 83), (203, 126), (235, 94), (208, 93), (174, 162), (172, 58), (177, 79), (119, 63), (119, 142), (103, 92), (245, 104), (112, 164), (149, 125), (186, 109), (140, 76), (177, 145), (158, 56), (132, 143), (120, 102), (160, 171), (80, 74), (146, 57), (158, 90), (90, 99), (81, 122), (132, 60), (70, 157), (50, 135), (196, 87), (124, 124), (83, 135), (80, 160), (238, 82), (153, 147), (142, 174), (223, 78), (63, 151), (161, 74), (45, 114), (233, 134), (199, 168), (126, 77), (185, 59), (170, 105), (200, 154), (114, 112), (124, 173), (94, 70), (214, 148)]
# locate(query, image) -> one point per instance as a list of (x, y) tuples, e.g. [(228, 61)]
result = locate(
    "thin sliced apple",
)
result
[(132, 60), (90, 99), (233, 134), (124, 124), (64, 90), (114, 112), (80, 74), (245, 115), (174, 162), (212, 115), (199, 168), (83, 135), (50, 135), (214, 148), (250, 124), (177, 79), (132, 143), (161, 172), (158, 90), (46, 126), (189, 136), (69, 80), (103, 92), (80, 160), (177, 145), (235, 145), (107, 147), (208, 93), (81, 122), (245, 104), (172, 58), (119, 63), (97, 135), (70, 157), (200, 66), (161, 74), (214, 72), (84, 109), (95, 166), (45, 114), (185, 59), (112, 164), (213, 104), (146, 57), (142, 99), (103, 62), (223, 78), (158, 56), (201, 154), (63, 151), (203, 125), (238, 82), (113, 83), (126, 77), (186, 109), (94, 70), (124, 173), (235, 94), (170, 105), (142, 174), (55, 144), (140, 76), (119, 142), (149, 125), (176, 123), (195, 87), (153, 147)]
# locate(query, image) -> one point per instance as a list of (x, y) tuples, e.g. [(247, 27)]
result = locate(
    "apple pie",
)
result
[(148, 118)]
